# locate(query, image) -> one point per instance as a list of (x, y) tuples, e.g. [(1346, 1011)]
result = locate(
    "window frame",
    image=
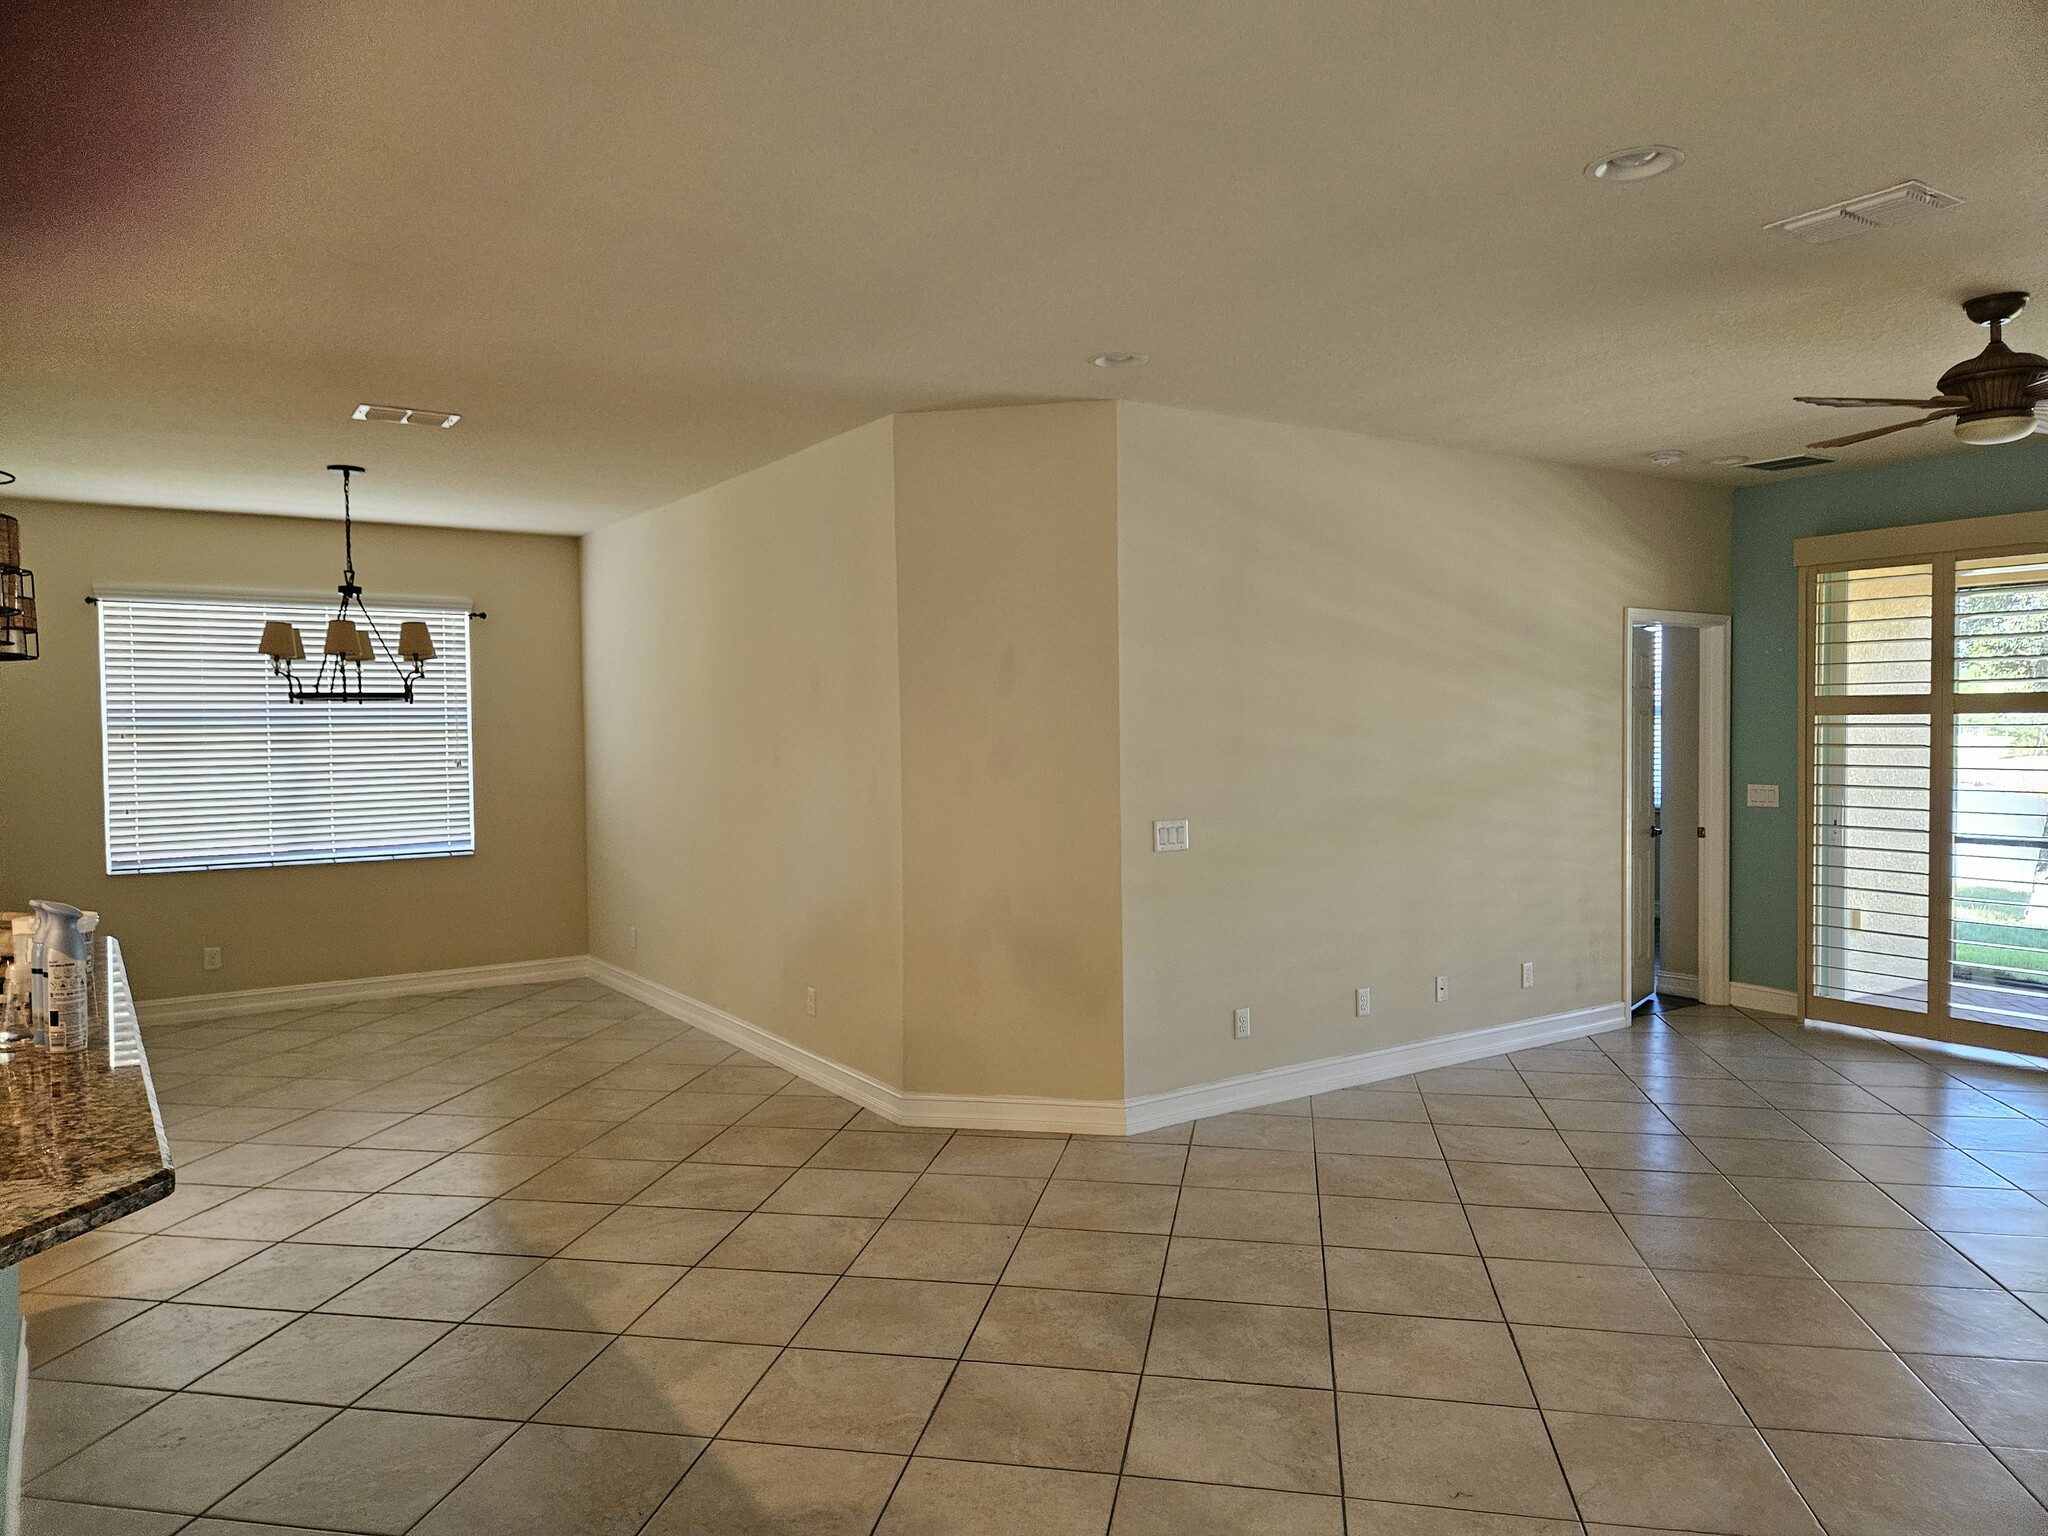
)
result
[(1942, 546), (305, 608)]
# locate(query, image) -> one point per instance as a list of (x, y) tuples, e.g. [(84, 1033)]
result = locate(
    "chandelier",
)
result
[(351, 644), (18, 638)]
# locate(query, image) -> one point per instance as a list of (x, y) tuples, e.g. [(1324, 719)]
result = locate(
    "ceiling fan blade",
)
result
[(1924, 405), (1897, 426)]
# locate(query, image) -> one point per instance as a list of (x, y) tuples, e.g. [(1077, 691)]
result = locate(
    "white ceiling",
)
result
[(644, 245)]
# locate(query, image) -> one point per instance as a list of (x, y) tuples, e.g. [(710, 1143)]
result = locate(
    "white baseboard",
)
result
[(313, 994), (1279, 1084), (1755, 999), (991, 1112), (973, 1112), (1110, 1117), (1677, 983)]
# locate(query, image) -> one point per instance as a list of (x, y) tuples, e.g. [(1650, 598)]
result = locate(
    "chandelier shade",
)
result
[(415, 644), (282, 641)]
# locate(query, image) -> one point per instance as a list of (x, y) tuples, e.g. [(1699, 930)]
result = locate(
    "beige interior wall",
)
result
[(742, 728), (1385, 684), (520, 897), (1678, 853), (1007, 580)]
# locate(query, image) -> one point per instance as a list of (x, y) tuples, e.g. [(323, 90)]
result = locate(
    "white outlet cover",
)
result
[(1443, 988), (1169, 837), (1242, 1024), (1364, 1001), (1528, 973), (1763, 797)]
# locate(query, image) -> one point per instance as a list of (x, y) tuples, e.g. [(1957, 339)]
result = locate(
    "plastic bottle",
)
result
[(60, 976)]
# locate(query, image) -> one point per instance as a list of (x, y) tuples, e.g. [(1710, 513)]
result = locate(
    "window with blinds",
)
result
[(209, 765)]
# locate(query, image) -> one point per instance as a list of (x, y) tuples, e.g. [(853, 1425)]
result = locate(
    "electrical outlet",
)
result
[(209, 957), (1364, 1001), (811, 1001), (1528, 973), (632, 938), (1242, 1025), (1443, 988)]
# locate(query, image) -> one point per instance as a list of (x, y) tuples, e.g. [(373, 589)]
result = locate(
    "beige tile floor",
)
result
[(540, 1260)]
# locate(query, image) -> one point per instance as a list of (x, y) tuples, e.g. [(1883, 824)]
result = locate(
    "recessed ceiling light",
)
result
[(1119, 359), (1667, 456), (1638, 164), (406, 415)]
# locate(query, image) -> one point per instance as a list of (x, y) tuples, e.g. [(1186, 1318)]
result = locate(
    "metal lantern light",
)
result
[(19, 638), (351, 642)]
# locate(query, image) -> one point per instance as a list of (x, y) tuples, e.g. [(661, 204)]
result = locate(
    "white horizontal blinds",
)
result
[(1874, 631), (1870, 827), (1999, 969), (209, 765), (2002, 625)]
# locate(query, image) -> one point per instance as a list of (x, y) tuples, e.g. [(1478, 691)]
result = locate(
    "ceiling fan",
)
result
[(1994, 396)]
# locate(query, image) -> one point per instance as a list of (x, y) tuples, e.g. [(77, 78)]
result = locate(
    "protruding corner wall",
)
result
[(882, 729), (1006, 581)]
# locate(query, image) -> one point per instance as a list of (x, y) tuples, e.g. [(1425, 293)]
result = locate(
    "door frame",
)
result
[(1713, 791)]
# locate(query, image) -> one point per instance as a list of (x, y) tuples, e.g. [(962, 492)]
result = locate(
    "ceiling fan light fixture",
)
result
[(1988, 431), (1638, 164)]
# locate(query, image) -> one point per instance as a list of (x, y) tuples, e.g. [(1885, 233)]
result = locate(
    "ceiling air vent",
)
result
[(1902, 204), (1791, 461), (406, 416)]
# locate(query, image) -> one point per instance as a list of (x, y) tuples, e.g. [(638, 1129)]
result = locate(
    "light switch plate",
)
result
[(1169, 837), (1763, 797)]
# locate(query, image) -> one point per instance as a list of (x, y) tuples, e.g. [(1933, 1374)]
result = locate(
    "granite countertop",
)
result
[(81, 1141)]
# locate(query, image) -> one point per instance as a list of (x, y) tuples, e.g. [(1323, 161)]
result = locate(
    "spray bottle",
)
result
[(59, 974)]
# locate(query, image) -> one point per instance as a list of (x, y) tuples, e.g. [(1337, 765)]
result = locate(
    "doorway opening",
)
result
[(1676, 870)]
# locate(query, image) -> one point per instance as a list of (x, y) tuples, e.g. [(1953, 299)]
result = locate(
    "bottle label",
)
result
[(66, 1004)]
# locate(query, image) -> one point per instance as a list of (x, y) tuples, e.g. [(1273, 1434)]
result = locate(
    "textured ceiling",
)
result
[(644, 245)]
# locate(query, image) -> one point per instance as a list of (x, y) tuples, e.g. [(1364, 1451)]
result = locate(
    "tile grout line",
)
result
[(1507, 1327), (1330, 1316), (1714, 1365), (1158, 1295)]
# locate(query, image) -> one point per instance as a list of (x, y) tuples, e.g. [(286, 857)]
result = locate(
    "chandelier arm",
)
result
[(390, 651)]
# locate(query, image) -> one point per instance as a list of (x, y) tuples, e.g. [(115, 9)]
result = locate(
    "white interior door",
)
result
[(1642, 811)]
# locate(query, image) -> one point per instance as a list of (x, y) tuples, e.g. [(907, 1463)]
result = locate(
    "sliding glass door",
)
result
[(1925, 811)]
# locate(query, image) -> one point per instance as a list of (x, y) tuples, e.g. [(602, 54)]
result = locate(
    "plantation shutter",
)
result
[(209, 765)]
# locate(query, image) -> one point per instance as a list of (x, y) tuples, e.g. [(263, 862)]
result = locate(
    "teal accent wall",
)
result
[(1763, 746)]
